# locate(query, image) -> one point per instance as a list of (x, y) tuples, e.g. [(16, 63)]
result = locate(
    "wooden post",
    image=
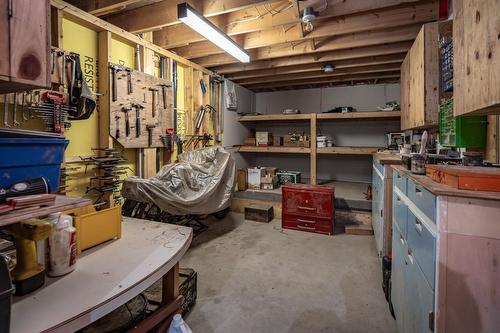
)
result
[(314, 146), (56, 27), (105, 140), (170, 285)]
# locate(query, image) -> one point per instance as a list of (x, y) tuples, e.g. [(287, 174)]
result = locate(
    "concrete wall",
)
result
[(234, 131), (352, 133)]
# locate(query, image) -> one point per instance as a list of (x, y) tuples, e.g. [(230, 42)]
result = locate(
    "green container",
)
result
[(288, 177), (461, 131)]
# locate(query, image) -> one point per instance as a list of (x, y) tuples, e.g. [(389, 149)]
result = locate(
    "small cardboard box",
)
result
[(264, 139), (270, 171), (249, 142), (277, 141), (288, 177), (254, 176), (293, 141), (268, 182)]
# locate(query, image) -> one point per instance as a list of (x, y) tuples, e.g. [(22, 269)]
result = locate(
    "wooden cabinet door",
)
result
[(377, 221), (476, 61), (30, 42), (4, 40)]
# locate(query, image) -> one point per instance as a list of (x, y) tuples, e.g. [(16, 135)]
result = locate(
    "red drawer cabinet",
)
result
[(308, 208)]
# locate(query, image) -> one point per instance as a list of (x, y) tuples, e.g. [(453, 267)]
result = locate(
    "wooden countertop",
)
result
[(387, 158), (105, 277), (441, 189)]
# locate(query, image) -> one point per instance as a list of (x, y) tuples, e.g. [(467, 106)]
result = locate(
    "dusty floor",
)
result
[(255, 277)]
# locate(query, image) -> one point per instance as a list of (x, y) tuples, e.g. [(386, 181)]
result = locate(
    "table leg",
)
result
[(170, 285)]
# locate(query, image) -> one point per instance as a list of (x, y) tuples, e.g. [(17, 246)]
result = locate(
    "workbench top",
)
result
[(442, 189), (387, 158), (105, 277)]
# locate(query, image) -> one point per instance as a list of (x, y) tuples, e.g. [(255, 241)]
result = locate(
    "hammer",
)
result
[(130, 88), (114, 69), (150, 129), (164, 93), (126, 110), (154, 102), (138, 108)]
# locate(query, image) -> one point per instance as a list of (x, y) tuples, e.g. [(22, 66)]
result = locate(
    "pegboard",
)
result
[(143, 95)]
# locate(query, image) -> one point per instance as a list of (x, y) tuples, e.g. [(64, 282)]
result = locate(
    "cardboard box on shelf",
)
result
[(268, 182), (288, 177), (254, 176), (296, 141), (277, 141), (264, 139), (271, 170), (249, 142)]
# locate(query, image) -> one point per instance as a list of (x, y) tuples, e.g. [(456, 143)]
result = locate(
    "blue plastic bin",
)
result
[(28, 158)]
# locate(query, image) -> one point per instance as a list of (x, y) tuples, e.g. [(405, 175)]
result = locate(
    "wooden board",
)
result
[(62, 203), (348, 150), (284, 150), (369, 115), (466, 178), (142, 83), (275, 117)]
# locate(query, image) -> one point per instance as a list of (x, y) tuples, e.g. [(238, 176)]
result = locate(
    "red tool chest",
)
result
[(308, 208)]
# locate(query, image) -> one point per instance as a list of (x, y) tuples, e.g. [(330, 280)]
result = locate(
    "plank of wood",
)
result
[(61, 203), (358, 229), (314, 150), (369, 115), (282, 150), (348, 150), (275, 117)]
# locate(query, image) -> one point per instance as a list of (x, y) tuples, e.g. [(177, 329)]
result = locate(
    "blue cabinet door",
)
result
[(398, 297), (420, 300)]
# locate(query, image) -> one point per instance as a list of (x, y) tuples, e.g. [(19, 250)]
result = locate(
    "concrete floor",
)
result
[(256, 277)]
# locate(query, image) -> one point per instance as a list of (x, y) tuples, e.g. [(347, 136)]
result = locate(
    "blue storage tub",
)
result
[(28, 158)]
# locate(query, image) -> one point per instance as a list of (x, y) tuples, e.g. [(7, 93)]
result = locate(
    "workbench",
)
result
[(106, 277)]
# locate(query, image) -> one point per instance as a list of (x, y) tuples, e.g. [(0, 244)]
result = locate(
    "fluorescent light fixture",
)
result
[(204, 27)]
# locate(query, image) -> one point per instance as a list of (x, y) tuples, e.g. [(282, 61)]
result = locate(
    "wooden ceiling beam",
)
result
[(329, 84), (387, 19), (340, 55), (346, 78), (364, 39), (321, 74), (318, 66), (164, 13), (259, 18)]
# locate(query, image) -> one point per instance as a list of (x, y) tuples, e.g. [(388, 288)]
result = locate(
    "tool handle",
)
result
[(127, 127), (137, 127)]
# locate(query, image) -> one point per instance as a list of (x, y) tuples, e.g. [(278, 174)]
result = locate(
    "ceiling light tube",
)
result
[(187, 14)]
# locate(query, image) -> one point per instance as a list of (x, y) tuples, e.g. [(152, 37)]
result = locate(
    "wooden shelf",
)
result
[(281, 150), (275, 117), (368, 115), (62, 203), (348, 150)]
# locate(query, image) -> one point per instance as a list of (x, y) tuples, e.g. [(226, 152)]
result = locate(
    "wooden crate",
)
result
[(466, 178), (259, 213)]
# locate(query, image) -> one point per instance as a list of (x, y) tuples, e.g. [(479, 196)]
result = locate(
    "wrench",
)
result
[(62, 73), (16, 123), (6, 111)]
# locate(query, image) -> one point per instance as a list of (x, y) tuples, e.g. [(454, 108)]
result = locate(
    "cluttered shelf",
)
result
[(348, 150), (275, 117), (61, 203), (275, 149), (368, 115)]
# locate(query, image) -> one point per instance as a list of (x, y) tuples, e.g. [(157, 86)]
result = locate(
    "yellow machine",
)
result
[(28, 275)]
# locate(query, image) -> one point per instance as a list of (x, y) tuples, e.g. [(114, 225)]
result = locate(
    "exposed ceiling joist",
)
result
[(259, 18), (356, 77), (318, 66), (164, 13), (340, 55), (353, 24), (320, 74), (338, 43)]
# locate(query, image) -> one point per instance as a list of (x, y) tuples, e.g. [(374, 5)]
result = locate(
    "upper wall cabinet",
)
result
[(24, 45), (420, 81), (476, 48)]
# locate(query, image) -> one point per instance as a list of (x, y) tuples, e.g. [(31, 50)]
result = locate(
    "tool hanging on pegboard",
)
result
[(52, 108)]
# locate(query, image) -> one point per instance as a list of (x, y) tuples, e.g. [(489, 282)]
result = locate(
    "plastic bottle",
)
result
[(178, 325), (61, 245)]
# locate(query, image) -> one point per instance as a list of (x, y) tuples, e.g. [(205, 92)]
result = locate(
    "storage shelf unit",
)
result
[(313, 118)]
